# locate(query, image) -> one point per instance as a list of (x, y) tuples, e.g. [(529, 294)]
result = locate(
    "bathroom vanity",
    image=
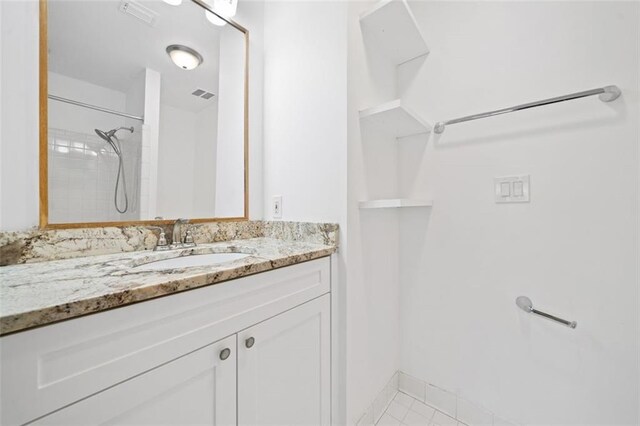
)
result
[(250, 345), (103, 320)]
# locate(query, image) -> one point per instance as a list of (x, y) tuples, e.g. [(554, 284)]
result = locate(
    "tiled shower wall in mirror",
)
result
[(82, 177)]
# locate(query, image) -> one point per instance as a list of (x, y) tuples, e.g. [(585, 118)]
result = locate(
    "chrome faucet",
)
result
[(180, 241), (175, 235)]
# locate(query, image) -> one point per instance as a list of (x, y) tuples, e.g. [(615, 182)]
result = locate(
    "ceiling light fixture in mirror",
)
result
[(184, 57)]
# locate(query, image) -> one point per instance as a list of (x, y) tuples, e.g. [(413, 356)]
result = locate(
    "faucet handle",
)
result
[(162, 242), (188, 239)]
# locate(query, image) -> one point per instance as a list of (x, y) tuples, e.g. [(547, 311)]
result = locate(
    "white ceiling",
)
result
[(94, 41)]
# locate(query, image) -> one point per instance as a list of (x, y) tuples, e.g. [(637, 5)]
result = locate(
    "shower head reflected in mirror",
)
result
[(102, 134), (111, 133), (108, 137)]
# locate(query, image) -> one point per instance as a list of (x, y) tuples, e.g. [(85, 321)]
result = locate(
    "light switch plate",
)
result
[(512, 189)]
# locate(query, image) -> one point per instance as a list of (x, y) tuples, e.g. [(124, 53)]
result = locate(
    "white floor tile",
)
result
[(441, 419), (397, 410), (404, 399), (380, 403), (406, 410), (414, 419), (423, 409), (387, 420)]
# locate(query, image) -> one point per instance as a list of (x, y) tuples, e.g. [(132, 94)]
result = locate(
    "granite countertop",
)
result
[(42, 293)]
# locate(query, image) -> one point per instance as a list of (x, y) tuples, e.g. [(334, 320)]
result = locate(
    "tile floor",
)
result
[(408, 411)]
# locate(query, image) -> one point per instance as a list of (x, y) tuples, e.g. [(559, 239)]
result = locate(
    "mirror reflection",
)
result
[(146, 112)]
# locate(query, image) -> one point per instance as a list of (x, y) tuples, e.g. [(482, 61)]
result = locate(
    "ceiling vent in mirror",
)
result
[(138, 11), (202, 94)]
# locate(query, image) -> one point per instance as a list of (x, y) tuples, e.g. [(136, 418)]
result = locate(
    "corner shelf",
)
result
[(392, 26), (396, 119), (394, 203)]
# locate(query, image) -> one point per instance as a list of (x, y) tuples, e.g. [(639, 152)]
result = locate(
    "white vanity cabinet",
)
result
[(283, 368), (252, 351), (195, 389)]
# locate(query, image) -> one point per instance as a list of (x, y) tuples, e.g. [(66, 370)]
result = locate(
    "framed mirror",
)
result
[(143, 113)]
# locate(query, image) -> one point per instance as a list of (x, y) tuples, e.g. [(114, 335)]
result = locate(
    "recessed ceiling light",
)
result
[(173, 2), (184, 57)]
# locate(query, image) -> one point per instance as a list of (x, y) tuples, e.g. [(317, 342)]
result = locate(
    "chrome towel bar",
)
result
[(526, 305), (606, 94)]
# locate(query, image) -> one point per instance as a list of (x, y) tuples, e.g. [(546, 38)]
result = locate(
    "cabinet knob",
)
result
[(224, 354), (249, 342)]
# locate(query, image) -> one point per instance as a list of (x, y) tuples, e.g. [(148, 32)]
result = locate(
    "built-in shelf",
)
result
[(391, 26), (396, 119), (394, 203)]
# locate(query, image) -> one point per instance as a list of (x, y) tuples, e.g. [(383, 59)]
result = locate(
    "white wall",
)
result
[(205, 153), (229, 165), (573, 249), (187, 156), (19, 136), (304, 109), (177, 144)]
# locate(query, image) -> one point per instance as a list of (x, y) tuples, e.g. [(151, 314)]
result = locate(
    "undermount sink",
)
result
[(193, 261)]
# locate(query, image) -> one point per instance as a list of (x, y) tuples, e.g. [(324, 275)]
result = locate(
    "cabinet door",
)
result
[(284, 368), (196, 389)]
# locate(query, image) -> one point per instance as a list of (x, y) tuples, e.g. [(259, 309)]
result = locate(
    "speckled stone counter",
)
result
[(41, 293), (38, 245)]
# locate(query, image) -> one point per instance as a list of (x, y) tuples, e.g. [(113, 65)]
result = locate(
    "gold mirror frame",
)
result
[(44, 130)]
